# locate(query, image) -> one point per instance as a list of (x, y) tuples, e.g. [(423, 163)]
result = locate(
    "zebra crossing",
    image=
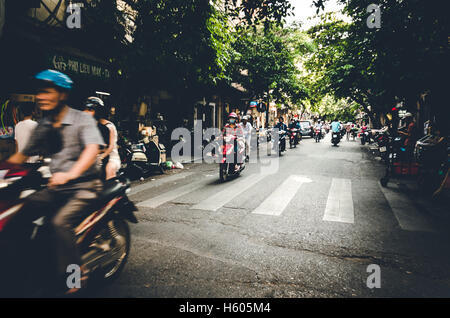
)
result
[(339, 204)]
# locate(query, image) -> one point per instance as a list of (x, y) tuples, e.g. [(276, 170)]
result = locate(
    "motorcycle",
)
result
[(293, 137), (281, 141), (365, 137), (335, 138), (141, 158), (233, 154), (354, 133), (382, 140), (103, 237), (433, 158), (317, 135)]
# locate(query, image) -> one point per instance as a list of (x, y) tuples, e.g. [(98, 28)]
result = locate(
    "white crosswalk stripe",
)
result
[(280, 198), (171, 195), (340, 202), (408, 216), (216, 201), (159, 182)]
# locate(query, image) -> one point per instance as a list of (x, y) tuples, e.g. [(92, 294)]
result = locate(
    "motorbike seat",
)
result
[(111, 188)]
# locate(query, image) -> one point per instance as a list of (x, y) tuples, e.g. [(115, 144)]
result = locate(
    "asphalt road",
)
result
[(309, 230)]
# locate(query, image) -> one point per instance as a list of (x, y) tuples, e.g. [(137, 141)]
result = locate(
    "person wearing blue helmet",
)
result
[(75, 141)]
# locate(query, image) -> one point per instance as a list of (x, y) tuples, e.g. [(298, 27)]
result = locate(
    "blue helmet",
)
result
[(56, 78)]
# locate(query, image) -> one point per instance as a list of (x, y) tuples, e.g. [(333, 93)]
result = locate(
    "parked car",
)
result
[(306, 128)]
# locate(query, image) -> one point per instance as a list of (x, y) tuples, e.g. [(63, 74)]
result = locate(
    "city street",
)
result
[(310, 230)]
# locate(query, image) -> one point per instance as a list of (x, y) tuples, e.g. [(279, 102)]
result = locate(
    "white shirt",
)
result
[(22, 134), (114, 154), (247, 129)]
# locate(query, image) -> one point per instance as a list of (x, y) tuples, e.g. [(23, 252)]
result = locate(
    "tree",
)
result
[(265, 63), (405, 58), (250, 13)]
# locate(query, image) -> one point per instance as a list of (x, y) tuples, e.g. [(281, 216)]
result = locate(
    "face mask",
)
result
[(232, 121)]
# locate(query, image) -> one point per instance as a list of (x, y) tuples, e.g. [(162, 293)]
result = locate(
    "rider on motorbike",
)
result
[(247, 130), (110, 155), (234, 129), (318, 129), (294, 124), (281, 125), (71, 139)]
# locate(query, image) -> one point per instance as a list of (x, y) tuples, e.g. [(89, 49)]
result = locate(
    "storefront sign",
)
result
[(76, 66)]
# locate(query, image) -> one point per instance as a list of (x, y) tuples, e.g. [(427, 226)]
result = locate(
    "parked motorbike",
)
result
[(382, 140), (335, 138), (139, 159), (233, 155), (103, 238), (433, 158)]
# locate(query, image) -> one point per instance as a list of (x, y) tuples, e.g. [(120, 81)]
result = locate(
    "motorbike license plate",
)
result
[(383, 149)]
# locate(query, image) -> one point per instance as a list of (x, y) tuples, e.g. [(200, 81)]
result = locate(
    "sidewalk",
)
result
[(406, 188)]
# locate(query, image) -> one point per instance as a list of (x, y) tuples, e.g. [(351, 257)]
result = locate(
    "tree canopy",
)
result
[(400, 61)]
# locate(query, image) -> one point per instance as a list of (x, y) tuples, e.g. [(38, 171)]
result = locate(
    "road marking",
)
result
[(159, 182), (340, 203), (216, 201), (280, 198), (408, 216), (171, 195)]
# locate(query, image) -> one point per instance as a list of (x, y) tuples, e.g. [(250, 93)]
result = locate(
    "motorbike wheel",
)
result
[(384, 182), (223, 172), (119, 231), (290, 144)]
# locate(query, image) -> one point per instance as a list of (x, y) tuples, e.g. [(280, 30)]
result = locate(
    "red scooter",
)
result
[(232, 161), (293, 137)]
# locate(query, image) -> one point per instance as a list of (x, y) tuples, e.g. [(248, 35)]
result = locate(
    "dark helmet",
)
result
[(97, 105), (55, 79)]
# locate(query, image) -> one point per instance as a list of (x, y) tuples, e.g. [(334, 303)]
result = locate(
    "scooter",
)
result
[(281, 141), (103, 237), (365, 137), (232, 162), (293, 137), (317, 135), (335, 138), (141, 158)]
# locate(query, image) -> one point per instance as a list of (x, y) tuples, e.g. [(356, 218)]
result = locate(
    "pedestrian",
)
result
[(24, 129)]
